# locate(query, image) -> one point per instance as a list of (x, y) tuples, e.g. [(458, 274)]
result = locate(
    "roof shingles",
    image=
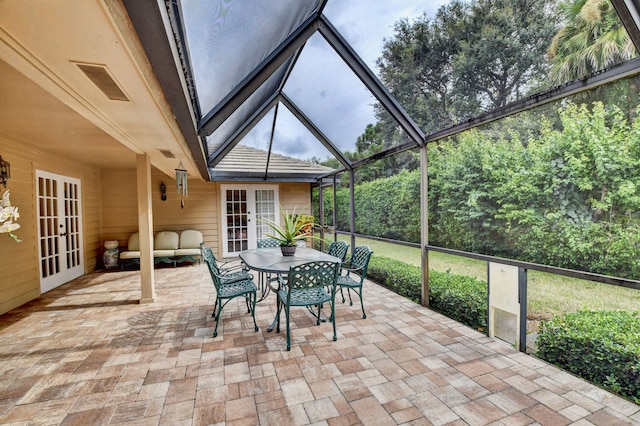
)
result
[(244, 162)]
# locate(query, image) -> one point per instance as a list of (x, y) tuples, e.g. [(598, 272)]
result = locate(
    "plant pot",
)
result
[(288, 250)]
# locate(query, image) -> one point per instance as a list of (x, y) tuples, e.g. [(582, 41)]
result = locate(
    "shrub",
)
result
[(397, 276), (600, 346), (461, 298)]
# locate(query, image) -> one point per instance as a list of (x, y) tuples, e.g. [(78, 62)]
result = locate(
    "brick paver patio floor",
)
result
[(88, 353)]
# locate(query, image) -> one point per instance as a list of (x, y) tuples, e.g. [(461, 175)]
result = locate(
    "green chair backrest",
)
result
[(212, 265), (312, 275), (360, 260), (338, 249), (268, 243)]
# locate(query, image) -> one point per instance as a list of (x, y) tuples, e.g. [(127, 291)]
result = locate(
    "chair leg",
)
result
[(318, 316), (333, 317), (253, 311), (342, 294), (364, 316), (350, 300), (247, 301), (215, 306), (278, 311), (275, 318), (215, 330), (286, 312)]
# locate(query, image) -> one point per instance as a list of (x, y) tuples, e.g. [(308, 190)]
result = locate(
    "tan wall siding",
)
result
[(20, 273), (120, 204), (119, 198), (296, 195), (109, 213), (201, 210)]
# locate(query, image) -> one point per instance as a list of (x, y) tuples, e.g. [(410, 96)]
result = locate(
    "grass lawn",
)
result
[(548, 294)]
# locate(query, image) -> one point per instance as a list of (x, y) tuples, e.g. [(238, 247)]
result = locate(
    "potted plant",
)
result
[(295, 227), (8, 215)]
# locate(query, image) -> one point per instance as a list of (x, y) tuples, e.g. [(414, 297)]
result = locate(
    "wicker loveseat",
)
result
[(168, 247)]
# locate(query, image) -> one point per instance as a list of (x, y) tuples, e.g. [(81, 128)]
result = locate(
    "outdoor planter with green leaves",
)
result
[(295, 227)]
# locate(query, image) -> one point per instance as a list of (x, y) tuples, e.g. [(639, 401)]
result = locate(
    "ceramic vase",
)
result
[(111, 255)]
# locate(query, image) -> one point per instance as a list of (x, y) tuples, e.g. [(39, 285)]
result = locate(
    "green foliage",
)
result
[(592, 39), (471, 56), (458, 297), (295, 227), (397, 276), (600, 346), (390, 208), (568, 197), (386, 207)]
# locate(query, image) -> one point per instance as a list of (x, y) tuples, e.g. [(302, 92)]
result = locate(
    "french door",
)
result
[(59, 229), (242, 208)]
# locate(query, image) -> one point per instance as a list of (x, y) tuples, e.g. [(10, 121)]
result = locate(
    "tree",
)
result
[(472, 56), (592, 39)]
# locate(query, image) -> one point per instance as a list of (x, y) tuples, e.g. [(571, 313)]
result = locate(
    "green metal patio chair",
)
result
[(338, 249), (265, 278), (228, 288), (227, 274), (309, 284), (357, 264)]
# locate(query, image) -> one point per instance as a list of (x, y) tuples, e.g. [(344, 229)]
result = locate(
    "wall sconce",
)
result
[(163, 191), (5, 171)]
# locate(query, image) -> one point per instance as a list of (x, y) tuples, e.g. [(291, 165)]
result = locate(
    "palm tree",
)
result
[(592, 40)]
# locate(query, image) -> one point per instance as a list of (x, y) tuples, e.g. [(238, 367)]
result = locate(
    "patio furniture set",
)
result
[(169, 247), (310, 278)]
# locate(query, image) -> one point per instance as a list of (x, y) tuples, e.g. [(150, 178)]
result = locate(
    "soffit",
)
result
[(57, 107)]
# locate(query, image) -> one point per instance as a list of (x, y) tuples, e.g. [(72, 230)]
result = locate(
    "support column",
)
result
[(352, 202), (334, 188), (321, 213), (424, 222), (145, 228)]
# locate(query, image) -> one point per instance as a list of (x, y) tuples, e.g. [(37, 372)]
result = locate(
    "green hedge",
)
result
[(600, 346), (461, 298)]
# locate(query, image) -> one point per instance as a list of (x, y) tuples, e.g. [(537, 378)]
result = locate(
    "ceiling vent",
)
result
[(167, 153), (101, 77)]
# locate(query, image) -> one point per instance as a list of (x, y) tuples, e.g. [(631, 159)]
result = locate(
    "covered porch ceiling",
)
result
[(76, 84)]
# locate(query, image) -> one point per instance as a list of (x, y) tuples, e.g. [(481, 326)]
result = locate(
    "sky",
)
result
[(325, 89)]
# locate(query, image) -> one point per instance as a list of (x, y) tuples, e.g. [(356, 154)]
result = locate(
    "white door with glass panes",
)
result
[(59, 229), (242, 208)]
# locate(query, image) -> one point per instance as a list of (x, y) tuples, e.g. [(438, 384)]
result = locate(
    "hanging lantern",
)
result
[(5, 171), (181, 182)]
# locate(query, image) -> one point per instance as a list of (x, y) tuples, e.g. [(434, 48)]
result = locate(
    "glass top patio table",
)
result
[(271, 260)]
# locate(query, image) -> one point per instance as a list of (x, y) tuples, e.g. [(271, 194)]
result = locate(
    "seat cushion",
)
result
[(130, 255), (188, 252), (190, 239), (166, 240), (164, 253), (134, 242)]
